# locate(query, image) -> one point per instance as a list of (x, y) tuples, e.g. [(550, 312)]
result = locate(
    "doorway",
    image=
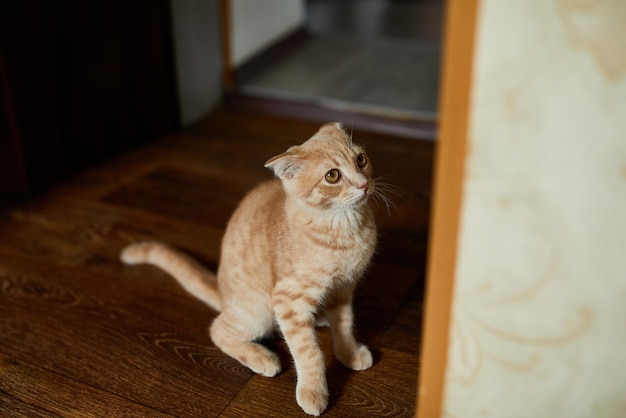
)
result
[(372, 60)]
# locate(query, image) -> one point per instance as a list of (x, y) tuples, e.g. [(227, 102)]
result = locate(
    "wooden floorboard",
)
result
[(26, 392), (83, 335), (382, 391)]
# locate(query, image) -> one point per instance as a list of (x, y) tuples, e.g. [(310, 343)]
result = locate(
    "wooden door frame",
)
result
[(455, 91)]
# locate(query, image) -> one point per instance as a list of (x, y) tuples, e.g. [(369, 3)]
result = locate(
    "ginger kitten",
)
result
[(293, 250)]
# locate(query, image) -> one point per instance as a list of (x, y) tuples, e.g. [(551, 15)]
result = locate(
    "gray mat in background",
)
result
[(399, 77)]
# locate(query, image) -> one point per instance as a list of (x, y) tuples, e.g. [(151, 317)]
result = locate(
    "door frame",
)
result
[(451, 148)]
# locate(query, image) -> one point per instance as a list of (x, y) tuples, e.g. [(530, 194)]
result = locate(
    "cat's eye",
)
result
[(333, 176), (361, 160)]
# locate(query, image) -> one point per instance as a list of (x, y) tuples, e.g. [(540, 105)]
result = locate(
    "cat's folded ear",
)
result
[(285, 165), (331, 128), (335, 130)]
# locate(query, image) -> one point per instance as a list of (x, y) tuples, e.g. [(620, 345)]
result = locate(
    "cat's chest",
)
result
[(340, 250), (350, 264)]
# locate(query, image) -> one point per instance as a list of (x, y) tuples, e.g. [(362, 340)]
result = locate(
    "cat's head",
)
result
[(326, 172)]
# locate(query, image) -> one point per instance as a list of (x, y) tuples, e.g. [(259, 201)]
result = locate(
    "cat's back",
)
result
[(267, 197), (249, 239), (258, 213)]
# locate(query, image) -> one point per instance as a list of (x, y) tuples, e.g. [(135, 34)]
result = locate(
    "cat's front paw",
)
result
[(359, 359), (312, 400)]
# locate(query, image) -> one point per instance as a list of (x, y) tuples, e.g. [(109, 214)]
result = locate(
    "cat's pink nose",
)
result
[(364, 187)]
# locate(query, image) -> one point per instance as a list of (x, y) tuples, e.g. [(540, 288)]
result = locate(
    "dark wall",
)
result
[(79, 82)]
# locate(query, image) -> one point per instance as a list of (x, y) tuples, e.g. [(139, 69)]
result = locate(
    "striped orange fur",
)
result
[(293, 250)]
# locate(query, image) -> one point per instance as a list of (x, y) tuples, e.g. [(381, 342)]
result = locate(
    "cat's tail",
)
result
[(194, 278)]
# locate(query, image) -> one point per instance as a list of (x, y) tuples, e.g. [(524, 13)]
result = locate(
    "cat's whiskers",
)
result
[(382, 193)]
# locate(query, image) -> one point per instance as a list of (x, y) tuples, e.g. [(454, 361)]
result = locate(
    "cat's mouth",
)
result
[(361, 199)]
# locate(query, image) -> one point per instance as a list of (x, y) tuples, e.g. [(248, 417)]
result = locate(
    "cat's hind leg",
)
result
[(236, 339)]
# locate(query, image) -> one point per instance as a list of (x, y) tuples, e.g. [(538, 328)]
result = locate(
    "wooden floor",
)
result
[(83, 335)]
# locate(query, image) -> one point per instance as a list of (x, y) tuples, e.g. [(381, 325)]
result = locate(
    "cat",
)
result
[(292, 252)]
